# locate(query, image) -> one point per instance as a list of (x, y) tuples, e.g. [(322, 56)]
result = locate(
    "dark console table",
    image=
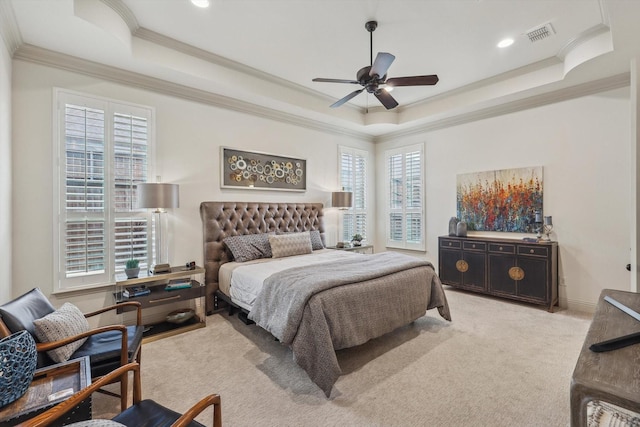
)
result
[(612, 376), (506, 268)]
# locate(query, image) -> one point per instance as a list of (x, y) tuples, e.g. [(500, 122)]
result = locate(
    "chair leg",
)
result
[(124, 391)]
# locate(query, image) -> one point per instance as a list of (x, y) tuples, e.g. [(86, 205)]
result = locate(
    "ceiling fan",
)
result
[(373, 76)]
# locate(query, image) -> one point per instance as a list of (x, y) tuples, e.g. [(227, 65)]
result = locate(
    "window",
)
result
[(405, 207), (104, 150), (353, 177)]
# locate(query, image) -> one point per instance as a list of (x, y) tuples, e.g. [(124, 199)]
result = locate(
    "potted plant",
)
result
[(132, 268), (357, 239)]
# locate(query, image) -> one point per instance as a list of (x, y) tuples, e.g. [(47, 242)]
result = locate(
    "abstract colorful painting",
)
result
[(503, 200)]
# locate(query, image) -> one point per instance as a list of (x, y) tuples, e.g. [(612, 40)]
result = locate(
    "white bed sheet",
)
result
[(245, 279)]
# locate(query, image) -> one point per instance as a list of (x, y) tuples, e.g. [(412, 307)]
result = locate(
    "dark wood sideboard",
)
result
[(507, 268)]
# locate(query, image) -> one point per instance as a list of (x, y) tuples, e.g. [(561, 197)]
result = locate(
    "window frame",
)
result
[(110, 107), (403, 210), (351, 214)]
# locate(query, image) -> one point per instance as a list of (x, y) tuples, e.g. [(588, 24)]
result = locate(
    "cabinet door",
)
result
[(475, 276), (534, 282), (499, 280), (448, 273)]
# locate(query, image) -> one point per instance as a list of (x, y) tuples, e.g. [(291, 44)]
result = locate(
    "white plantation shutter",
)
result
[(104, 152), (84, 190), (130, 168), (405, 205), (353, 177)]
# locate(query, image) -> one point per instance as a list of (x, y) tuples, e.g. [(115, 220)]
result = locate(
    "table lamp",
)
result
[(342, 200), (158, 196)]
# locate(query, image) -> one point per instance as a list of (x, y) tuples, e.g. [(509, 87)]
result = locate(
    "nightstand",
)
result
[(364, 249), (158, 296)]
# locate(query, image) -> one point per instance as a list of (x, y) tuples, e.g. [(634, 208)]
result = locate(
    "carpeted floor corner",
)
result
[(498, 363)]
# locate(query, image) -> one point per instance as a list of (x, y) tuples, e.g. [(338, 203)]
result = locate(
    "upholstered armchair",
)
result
[(64, 334), (145, 413)]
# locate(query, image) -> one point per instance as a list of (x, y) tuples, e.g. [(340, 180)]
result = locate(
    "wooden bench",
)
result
[(613, 376)]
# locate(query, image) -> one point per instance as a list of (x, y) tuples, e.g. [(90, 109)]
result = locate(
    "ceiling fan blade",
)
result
[(318, 79), (413, 81), (386, 99), (381, 64), (346, 98)]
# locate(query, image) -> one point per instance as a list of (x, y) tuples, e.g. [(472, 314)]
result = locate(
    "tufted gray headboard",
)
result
[(223, 219)]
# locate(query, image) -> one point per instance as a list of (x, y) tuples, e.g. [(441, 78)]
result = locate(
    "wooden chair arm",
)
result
[(52, 414), (124, 354), (195, 410), (120, 306)]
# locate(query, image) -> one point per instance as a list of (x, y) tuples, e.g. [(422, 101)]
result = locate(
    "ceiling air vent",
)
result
[(540, 32)]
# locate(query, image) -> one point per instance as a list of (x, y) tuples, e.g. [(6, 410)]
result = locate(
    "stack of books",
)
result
[(136, 291)]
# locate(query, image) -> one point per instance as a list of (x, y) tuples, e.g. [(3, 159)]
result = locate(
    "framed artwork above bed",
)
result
[(261, 171)]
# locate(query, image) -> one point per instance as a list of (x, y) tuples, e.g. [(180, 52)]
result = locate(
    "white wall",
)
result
[(584, 147), (5, 174), (189, 136)]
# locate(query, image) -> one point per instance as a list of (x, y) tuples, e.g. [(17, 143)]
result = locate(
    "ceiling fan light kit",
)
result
[(373, 78)]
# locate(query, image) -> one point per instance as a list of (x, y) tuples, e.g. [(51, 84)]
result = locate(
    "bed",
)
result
[(346, 298)]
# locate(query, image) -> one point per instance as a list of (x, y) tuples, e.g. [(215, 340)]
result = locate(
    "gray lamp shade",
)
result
[(342, 199), (158, 196)]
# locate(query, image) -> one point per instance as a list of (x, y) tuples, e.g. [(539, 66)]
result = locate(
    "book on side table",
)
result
[(178, 284), (135, 291)]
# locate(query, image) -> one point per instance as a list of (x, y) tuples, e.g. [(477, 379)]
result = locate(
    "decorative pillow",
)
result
[(65, 322), (316, 240), (290, 244), (249, 246)]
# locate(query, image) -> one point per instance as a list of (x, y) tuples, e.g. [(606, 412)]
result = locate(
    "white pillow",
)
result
[(65, 322), (289, 244)]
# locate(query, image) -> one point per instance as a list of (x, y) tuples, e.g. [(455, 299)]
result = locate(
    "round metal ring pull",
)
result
[(516, 273), (462, 265)]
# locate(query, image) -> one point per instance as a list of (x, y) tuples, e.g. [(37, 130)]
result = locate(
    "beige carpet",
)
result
[(497, 364)]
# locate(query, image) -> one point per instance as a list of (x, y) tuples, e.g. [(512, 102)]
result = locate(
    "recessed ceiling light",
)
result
[(201, 3), (505, 43)]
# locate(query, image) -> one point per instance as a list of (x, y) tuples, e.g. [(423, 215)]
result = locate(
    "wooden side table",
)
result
[(74, 374), (612, 376)]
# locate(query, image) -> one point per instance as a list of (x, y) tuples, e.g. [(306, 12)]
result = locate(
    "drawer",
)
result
[(533, 250), (452, 244), (474, 246), (502, 248)]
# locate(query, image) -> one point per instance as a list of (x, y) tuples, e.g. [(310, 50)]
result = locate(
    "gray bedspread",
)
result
[(322, 308)]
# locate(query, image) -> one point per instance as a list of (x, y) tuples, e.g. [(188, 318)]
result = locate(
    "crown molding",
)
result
[(187, 49), (9, 30), (46, 57), (38, 55), (572, 92), (125, 13), (582, 38)]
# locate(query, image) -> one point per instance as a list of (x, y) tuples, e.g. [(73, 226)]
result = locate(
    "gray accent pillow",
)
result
[(316, 240), (248, 247), (289, 244), (63, 323)]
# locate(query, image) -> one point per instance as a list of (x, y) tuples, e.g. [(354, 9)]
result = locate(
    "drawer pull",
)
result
[(153, 301), (449, 243), (500, 247), (473, 246), (462, 265), (516, 273), (531, 251)]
